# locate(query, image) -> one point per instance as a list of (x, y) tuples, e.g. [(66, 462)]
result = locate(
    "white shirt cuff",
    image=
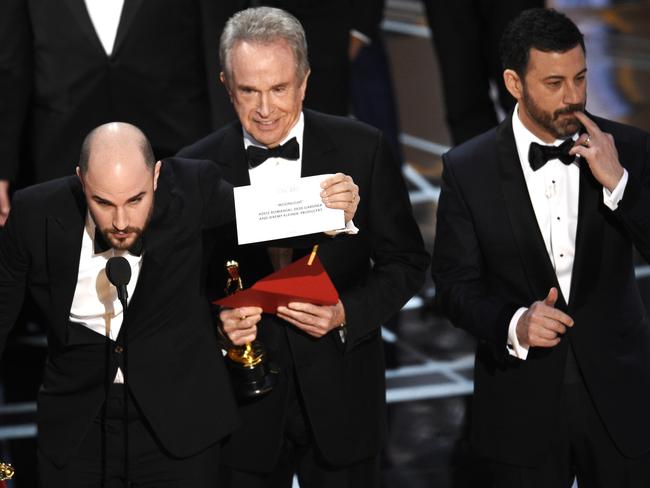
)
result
[(613, 198), (361, 36), (349, 228), (514, 348)]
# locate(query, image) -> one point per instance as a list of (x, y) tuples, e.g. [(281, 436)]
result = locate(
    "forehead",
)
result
[(116, 175), (267, 63), (567, 63)]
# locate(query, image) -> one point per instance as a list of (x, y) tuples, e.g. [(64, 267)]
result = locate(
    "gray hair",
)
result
[(264, 25)]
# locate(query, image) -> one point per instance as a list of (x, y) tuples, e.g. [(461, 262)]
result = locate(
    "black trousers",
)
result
[(466, 36), (300, 456), (582, 449), (100, 461)]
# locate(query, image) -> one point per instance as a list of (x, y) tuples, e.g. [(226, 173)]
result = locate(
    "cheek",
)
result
[(242, 107), (102, 217)]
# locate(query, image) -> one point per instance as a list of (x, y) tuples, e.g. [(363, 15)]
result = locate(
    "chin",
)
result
[(266, 138), (122, 245), (569, 129)]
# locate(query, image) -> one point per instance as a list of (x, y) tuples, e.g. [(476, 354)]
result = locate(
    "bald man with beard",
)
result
[(56, 245)]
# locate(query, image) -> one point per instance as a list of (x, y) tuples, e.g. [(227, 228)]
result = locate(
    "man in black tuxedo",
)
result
[(325, 419), (56, 243), (71, 65), (67, 67), (537, 224)]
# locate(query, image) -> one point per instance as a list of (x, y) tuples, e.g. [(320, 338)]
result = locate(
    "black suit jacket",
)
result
[(341, 384), (490, 259), (176, 372), (57, 83)]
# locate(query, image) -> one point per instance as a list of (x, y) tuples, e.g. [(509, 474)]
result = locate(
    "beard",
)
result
[(556, 123), (123, 244)]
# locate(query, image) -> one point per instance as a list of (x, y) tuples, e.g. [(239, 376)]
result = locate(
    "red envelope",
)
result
[(298, 282)]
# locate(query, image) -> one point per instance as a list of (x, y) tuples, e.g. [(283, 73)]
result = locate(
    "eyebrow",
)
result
[(99, 199), (560, 77), (282, 84), (136, 197)]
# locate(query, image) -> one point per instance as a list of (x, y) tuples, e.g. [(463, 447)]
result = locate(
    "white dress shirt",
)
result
[(553, 190), (105, 16), (95, 304), (276, 170)]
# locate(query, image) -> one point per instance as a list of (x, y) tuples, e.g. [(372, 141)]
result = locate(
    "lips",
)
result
[(266, 125), (122, 235)]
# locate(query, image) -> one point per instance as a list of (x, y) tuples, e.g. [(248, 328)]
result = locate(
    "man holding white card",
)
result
[(325, 419)]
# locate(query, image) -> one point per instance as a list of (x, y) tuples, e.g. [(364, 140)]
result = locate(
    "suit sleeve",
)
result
[(458, 269), (14, 266), (634, 208), (397, 251), (218, 199), (15, 81)]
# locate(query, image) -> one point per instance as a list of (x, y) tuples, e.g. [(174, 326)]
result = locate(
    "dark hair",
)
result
[(544, 29), (145, 146)]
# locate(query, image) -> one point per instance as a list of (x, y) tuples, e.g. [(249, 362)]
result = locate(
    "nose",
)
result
[(573, 94), (264, 105), (120, 219)]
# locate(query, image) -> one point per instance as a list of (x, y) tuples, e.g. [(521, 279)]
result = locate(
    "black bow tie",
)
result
[(257, 155), (100, 245), (539, 155)]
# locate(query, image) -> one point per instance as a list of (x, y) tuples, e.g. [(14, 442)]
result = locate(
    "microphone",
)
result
[(118, 272)]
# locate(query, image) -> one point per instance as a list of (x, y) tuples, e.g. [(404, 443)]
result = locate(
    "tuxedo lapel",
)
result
[(317, 146), (537, 265), (129, 12), (589, 232), (158, 239), (231, 157), (64, 236), (80, 13)]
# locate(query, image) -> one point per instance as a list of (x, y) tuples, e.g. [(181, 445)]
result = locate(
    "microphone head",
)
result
[(118, 271)]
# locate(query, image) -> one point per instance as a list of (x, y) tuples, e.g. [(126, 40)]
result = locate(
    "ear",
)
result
[(514, 84), (156, 174), (303, 84), (224, 82), (78, 171)]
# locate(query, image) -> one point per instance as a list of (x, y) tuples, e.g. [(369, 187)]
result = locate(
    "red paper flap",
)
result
[(298, 282)]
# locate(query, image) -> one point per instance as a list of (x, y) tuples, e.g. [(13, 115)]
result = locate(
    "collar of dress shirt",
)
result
[(296, 131), (105, 16), (523, 138)]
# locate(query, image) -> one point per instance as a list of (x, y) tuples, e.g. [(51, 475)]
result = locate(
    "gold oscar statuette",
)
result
[(250, 370), (6, 473)]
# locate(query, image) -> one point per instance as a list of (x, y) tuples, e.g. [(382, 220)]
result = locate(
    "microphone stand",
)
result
[(118, 272), (125, 352)]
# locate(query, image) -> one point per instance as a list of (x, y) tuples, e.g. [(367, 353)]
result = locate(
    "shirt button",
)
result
[(119, 349)]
